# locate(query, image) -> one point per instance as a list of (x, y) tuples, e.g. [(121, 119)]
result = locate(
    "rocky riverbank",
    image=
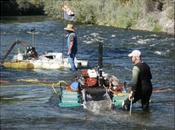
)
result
[(157, 22)]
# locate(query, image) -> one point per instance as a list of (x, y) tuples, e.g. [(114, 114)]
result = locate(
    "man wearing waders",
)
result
[(141, 86), (72, 45)]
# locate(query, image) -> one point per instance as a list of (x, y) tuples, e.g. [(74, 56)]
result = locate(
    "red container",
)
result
[(91, 82)]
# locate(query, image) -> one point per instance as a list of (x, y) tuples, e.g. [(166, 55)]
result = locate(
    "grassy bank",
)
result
[(151, 15)]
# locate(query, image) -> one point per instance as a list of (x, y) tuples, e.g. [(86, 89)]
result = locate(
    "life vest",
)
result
[(75, 46), (145, 76)]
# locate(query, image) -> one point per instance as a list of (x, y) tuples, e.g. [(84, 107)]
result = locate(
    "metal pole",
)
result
[(100, 63), (32, 32), (33, 38), (100, 55)]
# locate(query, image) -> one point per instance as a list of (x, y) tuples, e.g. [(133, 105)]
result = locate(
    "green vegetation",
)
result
[(120, 13), (130, 14)]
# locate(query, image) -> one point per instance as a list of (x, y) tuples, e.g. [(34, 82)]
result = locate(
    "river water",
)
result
[(34, 106)]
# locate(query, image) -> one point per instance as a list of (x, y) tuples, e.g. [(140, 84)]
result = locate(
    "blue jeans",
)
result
[(71, 59)]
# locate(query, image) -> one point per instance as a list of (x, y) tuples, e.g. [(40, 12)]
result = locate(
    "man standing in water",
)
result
[(72, 45), (141, 86)]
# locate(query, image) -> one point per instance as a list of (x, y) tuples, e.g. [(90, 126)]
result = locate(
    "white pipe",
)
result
[(130, 108)]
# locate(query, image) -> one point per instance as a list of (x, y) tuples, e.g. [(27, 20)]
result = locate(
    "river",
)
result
[(34, 106)]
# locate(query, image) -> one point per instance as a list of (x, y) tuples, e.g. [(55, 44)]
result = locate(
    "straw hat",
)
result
[(70, 27)]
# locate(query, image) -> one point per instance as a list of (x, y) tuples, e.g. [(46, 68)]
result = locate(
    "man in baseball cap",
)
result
[(141, 86), (135, 56)]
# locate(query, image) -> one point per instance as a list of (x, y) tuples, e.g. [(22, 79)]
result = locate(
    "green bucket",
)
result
[(119, 99), (70, 99)]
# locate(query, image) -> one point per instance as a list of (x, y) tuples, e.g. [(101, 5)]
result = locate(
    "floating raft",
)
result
[(18, 65), (50, 60), (70, 99)]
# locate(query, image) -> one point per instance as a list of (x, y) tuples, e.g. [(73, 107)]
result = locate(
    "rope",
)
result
[(36, 81), (54, 88)]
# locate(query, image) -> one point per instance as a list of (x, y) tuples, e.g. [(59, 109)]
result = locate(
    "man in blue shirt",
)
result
[(72, 45)]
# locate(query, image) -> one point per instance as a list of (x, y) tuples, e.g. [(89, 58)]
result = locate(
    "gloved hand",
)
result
[(131, 96)]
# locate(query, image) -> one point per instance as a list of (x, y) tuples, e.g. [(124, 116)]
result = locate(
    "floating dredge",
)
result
[(31, 60), (93, 87)]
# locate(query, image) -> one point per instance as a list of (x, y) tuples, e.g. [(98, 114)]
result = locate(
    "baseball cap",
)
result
[(134, 53)]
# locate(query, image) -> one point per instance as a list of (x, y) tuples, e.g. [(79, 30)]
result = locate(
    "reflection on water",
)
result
[(33, 106)]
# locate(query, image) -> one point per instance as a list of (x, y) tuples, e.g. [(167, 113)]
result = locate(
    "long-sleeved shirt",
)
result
[(141, 77)]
